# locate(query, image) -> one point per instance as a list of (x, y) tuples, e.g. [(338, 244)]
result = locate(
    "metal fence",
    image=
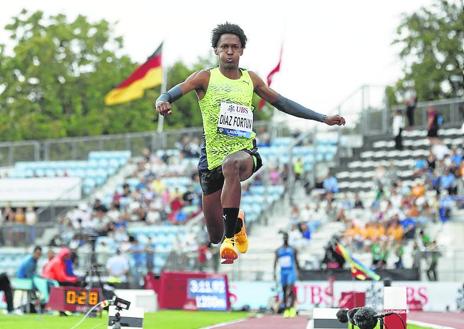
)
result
[(368, 112), (77, 148), (22, 235)]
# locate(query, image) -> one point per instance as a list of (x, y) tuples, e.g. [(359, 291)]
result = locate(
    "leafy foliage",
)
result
[(54, 82), (432, 50)]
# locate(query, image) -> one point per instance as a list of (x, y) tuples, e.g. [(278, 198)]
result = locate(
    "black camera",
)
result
[(121, 304)]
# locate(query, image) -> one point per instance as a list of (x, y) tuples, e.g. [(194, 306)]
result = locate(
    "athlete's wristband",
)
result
[(171, 96)]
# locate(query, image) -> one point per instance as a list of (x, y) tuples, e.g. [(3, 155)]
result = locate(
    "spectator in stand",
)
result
[(295, 215), (397, 127), (420, 168), (298, 169), (146, 153), (118, 269), (31, 216), (20, 217), (424, 238), (50, 254), (150, 248), (434, 254), (9, 215), (55, 269), (448, 182), (137, 252), (358, 204), (410, 108), (176, 205), (456, 158), (99, 206), (399, 252), (264, 139), (305, 231), (274, 176), (28, 267), (440, 150), (330, 184), (379, 253), (432, 124), (416, 257)]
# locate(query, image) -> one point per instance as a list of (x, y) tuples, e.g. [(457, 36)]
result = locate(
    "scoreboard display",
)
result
[(208, 293), (73, 299)]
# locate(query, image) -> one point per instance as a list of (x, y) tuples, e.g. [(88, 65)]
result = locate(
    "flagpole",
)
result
[(163, 90)]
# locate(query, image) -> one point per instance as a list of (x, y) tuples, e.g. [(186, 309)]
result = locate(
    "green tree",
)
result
[(432, 50), (56, 79)]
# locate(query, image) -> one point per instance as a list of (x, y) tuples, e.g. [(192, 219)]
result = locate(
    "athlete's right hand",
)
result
[(163, 108)]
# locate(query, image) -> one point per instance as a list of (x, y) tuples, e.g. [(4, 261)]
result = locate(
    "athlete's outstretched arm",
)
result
[(290, 107), (197, 81)]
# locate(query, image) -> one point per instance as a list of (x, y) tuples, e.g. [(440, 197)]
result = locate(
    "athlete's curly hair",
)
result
[(228, 28)]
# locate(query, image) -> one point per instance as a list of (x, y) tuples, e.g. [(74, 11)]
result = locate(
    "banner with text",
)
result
[(427, 296)]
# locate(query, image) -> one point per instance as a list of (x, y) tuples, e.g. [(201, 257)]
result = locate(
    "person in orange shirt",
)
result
[(20, 217), (418, 190), (369, 231), (395, 231)]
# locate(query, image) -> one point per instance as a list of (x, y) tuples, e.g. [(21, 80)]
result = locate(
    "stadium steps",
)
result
[(114, 181), (257, 263), (451, 263), (355, 173)]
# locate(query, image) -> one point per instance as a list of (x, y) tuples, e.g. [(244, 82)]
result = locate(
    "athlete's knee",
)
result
[(231, 167)]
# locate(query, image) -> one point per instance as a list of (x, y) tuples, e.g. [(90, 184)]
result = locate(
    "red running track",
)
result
[(267, 322), (447, 319)]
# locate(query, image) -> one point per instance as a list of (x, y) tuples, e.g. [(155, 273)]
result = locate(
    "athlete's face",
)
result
[(229, 49)]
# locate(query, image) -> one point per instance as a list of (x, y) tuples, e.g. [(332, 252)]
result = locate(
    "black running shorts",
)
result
[(213, 180)]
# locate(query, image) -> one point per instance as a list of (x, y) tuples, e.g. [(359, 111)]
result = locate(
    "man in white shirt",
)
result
[(118, 268)]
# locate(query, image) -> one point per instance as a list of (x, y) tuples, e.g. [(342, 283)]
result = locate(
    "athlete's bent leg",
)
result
[(235, 168), (212, 209)]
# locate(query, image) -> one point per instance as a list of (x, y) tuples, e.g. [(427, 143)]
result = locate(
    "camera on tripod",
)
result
[(120, 304)]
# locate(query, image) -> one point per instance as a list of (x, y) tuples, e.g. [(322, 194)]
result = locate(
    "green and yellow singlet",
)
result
[(227, 114)]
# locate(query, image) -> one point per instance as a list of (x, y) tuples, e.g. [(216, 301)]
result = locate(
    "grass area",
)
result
[(158, 320)]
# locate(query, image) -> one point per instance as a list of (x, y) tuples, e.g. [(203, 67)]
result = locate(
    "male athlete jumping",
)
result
[(229, 154)]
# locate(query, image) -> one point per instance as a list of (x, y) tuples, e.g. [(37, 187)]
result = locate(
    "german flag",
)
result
[(147, 75)]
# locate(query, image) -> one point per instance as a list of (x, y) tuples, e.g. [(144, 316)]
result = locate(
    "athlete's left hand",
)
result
[(332, 120)]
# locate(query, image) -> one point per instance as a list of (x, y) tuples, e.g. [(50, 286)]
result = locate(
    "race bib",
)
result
[(285, 261), (235, 120)]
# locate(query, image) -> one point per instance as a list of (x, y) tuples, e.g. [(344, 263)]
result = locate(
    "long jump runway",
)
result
[(453, 320), (267, 322)]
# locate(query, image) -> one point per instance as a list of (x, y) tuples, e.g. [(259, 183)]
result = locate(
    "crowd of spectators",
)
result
[(18, 215), (393, 224)]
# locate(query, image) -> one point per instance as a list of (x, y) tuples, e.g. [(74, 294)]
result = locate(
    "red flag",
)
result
[(269, 78)]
